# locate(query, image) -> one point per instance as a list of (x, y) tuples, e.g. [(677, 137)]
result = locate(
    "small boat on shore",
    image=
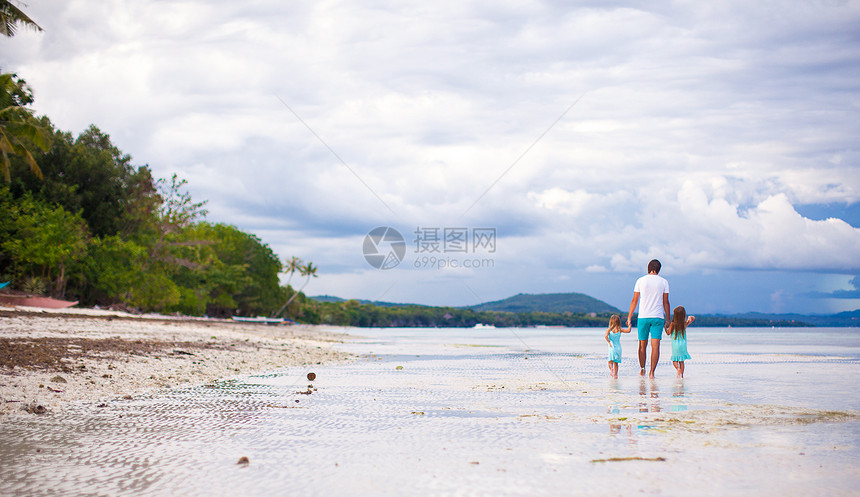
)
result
[(34, 301), (482, 326), (260, 320)]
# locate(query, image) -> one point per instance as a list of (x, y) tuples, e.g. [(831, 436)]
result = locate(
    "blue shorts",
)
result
[(654, 326)]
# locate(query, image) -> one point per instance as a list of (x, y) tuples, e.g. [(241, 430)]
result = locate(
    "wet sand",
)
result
[(51, 358), (474, 412)]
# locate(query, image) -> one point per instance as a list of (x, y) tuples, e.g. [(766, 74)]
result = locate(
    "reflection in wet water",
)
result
[(679, 395), (649, 396)]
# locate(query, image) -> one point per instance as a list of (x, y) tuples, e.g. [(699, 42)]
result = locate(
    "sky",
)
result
[(513, 146)]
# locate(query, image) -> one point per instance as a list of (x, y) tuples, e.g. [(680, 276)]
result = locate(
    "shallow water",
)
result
[(476, 412)]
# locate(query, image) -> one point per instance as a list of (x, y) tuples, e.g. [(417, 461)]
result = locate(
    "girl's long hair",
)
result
[(679, 322), (614, 323)]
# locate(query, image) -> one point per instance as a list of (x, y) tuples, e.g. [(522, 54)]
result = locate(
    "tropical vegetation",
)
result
[(11, 16), (355, 313)]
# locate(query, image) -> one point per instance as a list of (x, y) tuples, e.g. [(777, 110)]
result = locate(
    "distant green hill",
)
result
[(842, 319), (548, 302), (551, 309), (333, 299), (523, 302)]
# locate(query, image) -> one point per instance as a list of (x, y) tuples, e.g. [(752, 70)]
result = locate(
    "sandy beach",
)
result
[(52, 358)]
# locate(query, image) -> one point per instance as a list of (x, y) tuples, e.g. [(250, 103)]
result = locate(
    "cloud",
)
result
[(698, 228), (852, 293), (697, 129)]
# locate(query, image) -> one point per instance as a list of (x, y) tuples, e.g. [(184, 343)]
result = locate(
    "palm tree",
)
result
[(11, 16), (307, 270), (293, 265), (18, 127)]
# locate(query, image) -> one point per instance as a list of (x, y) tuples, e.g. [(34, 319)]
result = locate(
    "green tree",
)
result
[(11, 16), (46, 241), (258, 291), (176, 212), (177, 209), (8, 211), (220, 270), (19, 130), (203, 278), (156, 292), (91, 175), (114, 267)]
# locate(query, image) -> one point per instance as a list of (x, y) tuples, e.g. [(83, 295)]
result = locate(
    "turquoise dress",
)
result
[(615, 347), (679, 348)]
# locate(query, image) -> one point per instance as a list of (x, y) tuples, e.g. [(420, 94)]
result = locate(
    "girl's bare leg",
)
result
[(678, 369), (681, 370)]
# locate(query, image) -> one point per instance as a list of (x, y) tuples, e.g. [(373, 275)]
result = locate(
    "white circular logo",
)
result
[(384, 247)]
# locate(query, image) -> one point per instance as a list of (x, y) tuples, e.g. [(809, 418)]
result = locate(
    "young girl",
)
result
[(613, 337), (678, 330)]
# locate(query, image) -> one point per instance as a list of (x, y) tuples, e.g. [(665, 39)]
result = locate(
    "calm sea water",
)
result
[(477, 412)]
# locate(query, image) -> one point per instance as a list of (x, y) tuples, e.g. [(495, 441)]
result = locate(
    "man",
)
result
[(651, 292)]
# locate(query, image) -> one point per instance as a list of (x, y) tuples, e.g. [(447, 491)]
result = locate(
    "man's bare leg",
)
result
[(643, 351), (655, 356)]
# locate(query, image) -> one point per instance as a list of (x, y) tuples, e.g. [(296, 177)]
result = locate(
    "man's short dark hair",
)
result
[(654, 266)]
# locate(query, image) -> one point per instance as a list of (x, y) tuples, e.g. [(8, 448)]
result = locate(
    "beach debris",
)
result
[(399, 368), (418, 413), (636, 458), (312, 376), (305, 392), (34, 408), (58, 379), (55, 390), (244, 461), (283, 407)]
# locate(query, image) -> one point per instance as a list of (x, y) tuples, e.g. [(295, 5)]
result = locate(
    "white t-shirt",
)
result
[(651, 289)]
